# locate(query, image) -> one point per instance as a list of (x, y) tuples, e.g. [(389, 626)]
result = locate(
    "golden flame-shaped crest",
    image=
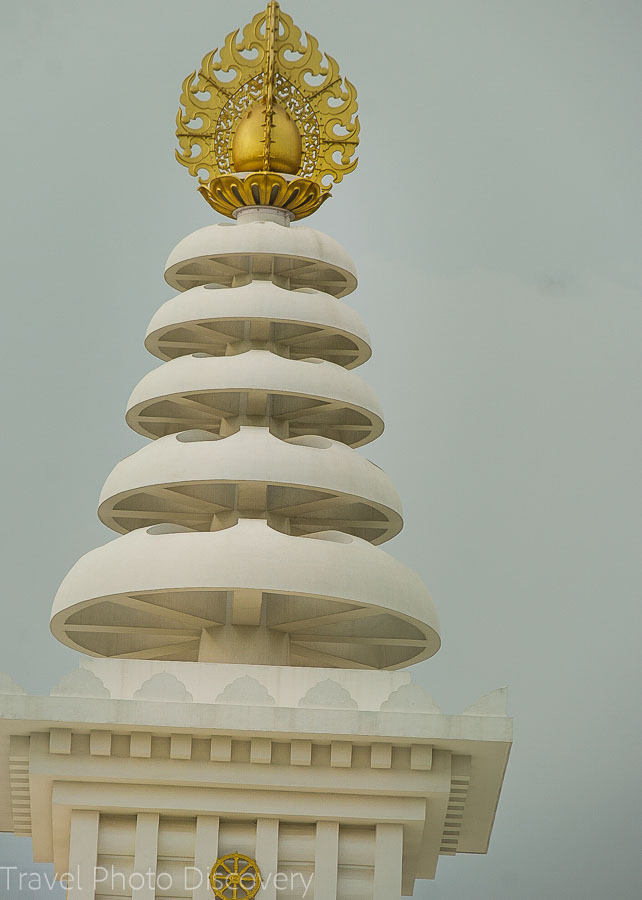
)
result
[(269, 102)]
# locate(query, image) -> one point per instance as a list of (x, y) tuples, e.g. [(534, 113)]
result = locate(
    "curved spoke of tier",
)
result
[(201, 328), (304, 507), (179, 498), (311, 410), (167, 612), (360, 612), (328, 429), (346, 525), (189, 346), (160, 517), (173, 420), (182, 633), (320, 658), (315, 332), (208, 410), (154, 652), (355, 639)]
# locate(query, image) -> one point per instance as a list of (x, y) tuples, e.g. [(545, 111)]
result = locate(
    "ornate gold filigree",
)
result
[(270, 62)]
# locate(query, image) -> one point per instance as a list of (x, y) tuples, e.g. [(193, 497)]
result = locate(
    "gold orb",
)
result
[(248, 145)]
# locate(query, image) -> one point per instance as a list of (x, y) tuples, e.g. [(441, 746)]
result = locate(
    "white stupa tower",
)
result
[(239, 712)]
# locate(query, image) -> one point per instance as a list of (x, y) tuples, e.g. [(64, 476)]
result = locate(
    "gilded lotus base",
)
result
[(228, 193)]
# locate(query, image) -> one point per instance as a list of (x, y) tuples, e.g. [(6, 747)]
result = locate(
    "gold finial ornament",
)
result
[(235, 877), (277, 127), (249, 144)]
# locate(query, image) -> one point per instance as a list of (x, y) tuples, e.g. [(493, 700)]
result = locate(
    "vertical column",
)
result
[(267, 855), (205, 855), (145, 857), (326, 861), (388, 862), (83, 854)]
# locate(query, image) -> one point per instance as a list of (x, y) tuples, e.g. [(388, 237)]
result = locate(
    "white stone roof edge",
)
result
[(139, 694), (248, 702), (23, 714)]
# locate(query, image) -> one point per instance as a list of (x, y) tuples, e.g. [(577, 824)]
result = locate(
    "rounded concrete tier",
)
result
[(246, 594), (224, 321), (298, 396), (232, 254), (302, 485)]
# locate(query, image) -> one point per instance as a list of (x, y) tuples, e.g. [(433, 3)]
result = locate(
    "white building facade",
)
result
[(242, 694)]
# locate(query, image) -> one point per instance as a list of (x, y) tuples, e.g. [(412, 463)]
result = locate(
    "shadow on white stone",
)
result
[(410, 698), (246, 691), (163, 686), (81, 683), (495, 703), (9, 686), (328, 694)]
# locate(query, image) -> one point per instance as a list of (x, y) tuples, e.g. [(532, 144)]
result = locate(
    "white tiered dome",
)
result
[(249, 526), (292, 258), (306, 396), (299, 484), (299, 323)]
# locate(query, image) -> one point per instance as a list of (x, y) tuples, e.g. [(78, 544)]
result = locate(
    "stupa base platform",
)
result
[(340, 783)]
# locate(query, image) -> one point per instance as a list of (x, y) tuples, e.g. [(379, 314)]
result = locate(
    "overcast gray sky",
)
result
[(494, 219)]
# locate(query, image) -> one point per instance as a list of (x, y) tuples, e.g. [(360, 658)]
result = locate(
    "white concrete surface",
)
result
[(232, 255), (249, 549), (308, 396), (302, 485), (153, 592), (223, 321), (370, 829)]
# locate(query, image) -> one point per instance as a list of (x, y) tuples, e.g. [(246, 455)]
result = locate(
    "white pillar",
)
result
[(388, 861), (145, 857), (267, 855), (326, 861), (83, 854), (205, 855)]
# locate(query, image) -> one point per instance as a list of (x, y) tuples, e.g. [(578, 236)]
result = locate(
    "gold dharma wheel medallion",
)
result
[(268, 120), (235, 877)]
